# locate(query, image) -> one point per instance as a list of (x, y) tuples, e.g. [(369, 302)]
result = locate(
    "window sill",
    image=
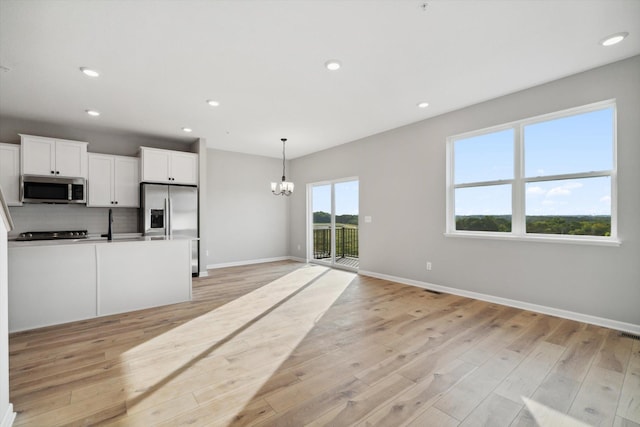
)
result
[(541, 239)]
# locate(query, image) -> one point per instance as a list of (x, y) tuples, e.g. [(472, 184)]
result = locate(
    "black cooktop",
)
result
[(52, 235)]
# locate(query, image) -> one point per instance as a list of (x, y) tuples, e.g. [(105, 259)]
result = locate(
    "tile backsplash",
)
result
[(48, 217)]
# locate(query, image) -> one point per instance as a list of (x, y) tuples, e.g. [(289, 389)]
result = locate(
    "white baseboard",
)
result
[(247, 262), (9, 417), (203, 273), (566, 314)]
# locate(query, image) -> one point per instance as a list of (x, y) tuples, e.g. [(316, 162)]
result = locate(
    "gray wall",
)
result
[(402, 186), (244, 220), (106, 141)]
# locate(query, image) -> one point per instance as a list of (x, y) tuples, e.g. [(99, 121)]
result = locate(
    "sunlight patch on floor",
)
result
[(548, 417), (246, 340)]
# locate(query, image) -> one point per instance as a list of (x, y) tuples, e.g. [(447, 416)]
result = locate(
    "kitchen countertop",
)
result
[(94, 239)]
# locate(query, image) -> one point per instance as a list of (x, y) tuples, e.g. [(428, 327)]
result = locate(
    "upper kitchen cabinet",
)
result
[(171, 167), (113, 181), (50, 156), (10, 173)]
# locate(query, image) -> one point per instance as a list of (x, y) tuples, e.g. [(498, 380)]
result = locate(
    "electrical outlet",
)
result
[(207, 251), (298, 247), (428, 266)]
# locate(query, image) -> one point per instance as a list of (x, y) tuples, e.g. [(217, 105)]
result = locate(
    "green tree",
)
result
[(321, 218)]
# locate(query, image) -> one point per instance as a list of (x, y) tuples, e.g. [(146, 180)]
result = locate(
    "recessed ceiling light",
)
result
[(89, 72), (187, 130), (332, 65), (423, 104), (613, 39), (213, 103), (93, 113)]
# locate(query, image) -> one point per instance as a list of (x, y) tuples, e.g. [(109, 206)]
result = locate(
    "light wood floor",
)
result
[(294, 345)]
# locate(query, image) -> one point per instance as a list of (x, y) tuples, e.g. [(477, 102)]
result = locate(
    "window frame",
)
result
[(519, 182)]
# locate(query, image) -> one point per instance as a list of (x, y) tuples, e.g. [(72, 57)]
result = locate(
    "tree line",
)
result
[(321, 217), (583, 225)]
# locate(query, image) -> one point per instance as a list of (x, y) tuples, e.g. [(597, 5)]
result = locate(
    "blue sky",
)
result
[(580, 143), (346, 198)]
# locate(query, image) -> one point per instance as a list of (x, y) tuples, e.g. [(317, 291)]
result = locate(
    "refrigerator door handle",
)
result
[(166, 217), (170, 225)]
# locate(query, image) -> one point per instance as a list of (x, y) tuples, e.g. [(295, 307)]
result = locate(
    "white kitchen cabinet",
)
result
[(167, 166), (154, 165), (127, 181), (113, 181), (184, 168), (10, 173), (100, 183), (50, 156)]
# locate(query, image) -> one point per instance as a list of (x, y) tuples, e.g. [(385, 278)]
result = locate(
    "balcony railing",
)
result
[(346, 241)]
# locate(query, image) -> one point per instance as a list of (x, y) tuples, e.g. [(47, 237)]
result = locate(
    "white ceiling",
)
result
[(264, 62)]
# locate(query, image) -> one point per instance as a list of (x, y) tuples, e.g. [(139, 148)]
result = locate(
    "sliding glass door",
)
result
[(333, 223)]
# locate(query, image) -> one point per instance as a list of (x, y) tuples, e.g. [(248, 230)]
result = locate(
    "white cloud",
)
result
[(564, 190), (540, 172), (536, 190), (558, 191), (605, 199), (548, 202)]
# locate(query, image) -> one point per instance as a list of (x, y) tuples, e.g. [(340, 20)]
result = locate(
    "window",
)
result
[(546, 177)]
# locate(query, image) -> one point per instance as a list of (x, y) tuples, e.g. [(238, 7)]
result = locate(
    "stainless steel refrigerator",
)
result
[(171, 210)]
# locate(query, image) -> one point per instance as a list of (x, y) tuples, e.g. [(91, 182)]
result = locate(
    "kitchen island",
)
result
[(53, 282)]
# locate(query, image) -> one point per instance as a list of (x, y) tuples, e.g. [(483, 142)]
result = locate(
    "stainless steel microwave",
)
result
[(46, 189)]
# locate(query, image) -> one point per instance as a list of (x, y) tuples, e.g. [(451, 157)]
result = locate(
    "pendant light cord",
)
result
[(283, 159)]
